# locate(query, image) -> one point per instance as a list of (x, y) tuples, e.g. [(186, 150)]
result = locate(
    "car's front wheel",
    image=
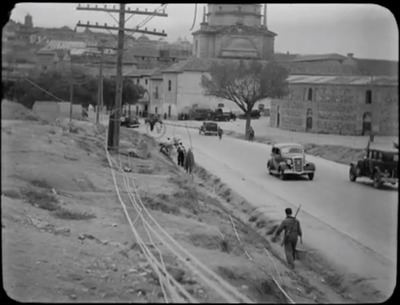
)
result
[(310, 176), (269, 168), (281, 174), (352, 174)]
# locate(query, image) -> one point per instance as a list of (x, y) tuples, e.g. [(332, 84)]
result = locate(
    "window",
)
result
[(169, 85), (145, 81), (156, 110), (220, 105), (156, 93), (137, 81), (309, 94), (368, 97)]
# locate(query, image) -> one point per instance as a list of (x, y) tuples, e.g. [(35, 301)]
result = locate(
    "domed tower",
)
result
[(231, 14), (234, 31), (28, 21)]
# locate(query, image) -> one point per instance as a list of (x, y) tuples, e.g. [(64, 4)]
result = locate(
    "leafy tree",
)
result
[(245, 83)]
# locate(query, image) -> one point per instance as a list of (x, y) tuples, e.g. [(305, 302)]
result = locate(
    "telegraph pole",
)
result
[(114, 119)]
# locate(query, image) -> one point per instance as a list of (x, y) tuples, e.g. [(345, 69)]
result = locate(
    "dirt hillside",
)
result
[(65, 237)]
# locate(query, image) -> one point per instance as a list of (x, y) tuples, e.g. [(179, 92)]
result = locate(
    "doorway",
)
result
[(309, 119), (277, 117), (367, 123)]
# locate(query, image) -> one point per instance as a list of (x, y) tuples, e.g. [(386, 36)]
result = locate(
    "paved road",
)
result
[(352, 223)]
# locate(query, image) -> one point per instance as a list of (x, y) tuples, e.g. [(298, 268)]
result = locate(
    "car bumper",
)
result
[(289, 171), (389, 180)]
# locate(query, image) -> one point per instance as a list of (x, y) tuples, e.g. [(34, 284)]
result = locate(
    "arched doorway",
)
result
[(277, 117), (309, 119), (367, 123)]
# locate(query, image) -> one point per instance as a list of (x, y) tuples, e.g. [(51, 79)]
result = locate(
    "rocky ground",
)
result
[(65, 237)]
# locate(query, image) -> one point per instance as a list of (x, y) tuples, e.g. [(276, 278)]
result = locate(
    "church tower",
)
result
[(234, 31), (28, 21)]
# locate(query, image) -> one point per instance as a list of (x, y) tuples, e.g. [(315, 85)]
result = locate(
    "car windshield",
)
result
[(292, 150)]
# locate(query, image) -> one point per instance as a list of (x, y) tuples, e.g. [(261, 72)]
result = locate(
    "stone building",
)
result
[(348, 105), (233, 31)]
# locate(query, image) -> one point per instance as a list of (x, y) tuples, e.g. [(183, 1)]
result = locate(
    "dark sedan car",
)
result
[(209, 128)]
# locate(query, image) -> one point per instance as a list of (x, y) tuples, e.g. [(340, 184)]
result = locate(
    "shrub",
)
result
[(64, 213)]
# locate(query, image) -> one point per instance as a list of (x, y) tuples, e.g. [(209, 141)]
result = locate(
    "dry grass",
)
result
[(41, 199), (14, 194), (65, 213), (41, 183)]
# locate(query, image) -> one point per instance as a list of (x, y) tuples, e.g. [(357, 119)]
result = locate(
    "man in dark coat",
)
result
[(181, 154), (292, 229), (189, 161)]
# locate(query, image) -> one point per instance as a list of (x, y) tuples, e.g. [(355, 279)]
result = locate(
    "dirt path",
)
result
[(65, 237)]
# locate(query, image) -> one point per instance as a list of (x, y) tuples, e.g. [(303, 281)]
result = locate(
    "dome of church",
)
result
[(143, 38)]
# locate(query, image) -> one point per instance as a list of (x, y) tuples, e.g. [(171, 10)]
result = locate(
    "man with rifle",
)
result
[(292, 229)]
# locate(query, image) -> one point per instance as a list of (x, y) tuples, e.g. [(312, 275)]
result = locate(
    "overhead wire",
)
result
[(149, 256), (194, 17), (140, 207)]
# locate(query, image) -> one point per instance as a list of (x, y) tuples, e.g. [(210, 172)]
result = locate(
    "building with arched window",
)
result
[(349, 105)]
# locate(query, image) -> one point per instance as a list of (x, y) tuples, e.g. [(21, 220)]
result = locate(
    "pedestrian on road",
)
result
[(189, 161), (220, 132), (292, 229), (251, 133)]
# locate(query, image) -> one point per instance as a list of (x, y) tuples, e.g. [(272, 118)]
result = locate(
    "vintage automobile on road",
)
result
[(289, 159), (380, 164), (130, 121), (209, 128)]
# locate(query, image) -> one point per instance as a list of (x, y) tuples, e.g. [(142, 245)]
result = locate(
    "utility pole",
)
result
[(114, 119)]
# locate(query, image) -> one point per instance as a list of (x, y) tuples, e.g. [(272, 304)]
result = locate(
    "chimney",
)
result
[(350, 55)]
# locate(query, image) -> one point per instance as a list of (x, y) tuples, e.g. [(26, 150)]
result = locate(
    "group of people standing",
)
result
[(185, 158)]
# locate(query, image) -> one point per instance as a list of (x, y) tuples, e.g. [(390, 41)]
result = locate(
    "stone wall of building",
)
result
[(337, 109)]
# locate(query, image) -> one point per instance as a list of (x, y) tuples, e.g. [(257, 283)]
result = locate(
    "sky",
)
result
[(366, 30)]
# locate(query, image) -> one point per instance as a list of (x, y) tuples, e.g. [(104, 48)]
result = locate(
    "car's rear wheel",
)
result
[(310, 176), (352, 174), (377, 180), (269, 168), (281, 174)]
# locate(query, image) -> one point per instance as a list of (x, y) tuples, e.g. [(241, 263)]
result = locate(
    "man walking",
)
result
[(292, 229), (220, 132)]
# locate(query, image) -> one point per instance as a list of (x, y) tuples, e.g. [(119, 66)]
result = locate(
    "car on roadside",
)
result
[(289, 159), (380, 164), (132, 122), (208, 128), (254, 114)]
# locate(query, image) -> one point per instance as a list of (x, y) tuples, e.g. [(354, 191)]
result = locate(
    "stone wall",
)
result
[(337, 109)]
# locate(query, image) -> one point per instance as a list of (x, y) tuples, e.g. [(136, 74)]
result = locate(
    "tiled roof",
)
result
[(343, 80), (139, 72), (377, 67), (191, 64), (319, 57)]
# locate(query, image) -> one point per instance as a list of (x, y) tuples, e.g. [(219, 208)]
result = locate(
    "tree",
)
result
[(245, 83)]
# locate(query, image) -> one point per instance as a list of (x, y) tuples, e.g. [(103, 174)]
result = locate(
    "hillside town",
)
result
[(210, 169)]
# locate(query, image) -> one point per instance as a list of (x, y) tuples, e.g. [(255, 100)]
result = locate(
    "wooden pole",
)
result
[(100, 89), (115, 117)]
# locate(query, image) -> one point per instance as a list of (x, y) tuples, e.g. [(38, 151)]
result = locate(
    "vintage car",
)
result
[(209, 128), (129, 121), (289, 159), (380, 164)]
